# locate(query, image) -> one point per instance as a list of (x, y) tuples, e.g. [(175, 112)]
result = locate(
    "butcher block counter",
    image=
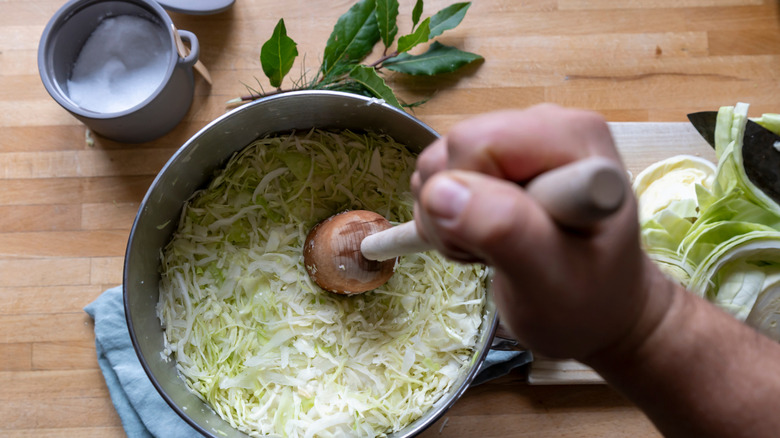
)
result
[(68, 197)]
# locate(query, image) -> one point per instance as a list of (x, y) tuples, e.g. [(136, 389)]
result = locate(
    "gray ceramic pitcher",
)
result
[(66, 35)]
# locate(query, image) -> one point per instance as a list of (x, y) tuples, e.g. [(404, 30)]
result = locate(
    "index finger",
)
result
[(522, 144)]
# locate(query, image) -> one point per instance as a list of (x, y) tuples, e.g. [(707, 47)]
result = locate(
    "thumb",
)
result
[(471, 216)]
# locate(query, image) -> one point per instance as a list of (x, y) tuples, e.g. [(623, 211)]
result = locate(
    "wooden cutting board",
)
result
[(640, 144)]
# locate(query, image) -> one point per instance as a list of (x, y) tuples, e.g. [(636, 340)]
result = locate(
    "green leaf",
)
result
[(386, 15), (448, 18), (277, 55), (417, 13), (419, 36), (368, 77), (352, 39), (438, 59)]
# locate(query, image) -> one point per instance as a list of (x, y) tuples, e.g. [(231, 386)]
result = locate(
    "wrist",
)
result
[(697, 371), (662, 303)]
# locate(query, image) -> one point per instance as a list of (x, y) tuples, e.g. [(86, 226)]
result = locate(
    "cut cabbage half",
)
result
[(670, 185), (712, 230)]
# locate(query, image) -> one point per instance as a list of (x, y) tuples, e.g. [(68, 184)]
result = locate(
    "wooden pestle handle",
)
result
[(576, 196)]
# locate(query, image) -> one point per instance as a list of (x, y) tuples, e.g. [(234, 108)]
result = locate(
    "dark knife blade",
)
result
[(761, 159), (760, 151), (705, 122)]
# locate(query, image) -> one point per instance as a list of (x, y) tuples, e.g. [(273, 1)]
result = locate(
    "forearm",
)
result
[(700, 373), (592, 296)]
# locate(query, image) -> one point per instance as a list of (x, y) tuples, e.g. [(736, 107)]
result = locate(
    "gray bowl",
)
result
[(190, 169)]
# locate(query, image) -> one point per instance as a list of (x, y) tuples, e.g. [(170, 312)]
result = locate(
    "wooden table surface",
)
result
[(66, 205)]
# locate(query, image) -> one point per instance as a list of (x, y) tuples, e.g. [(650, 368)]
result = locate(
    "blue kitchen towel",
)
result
[(142, 409), (499, 363)]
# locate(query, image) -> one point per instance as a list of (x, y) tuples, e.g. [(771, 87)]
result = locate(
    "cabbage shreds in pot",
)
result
[(270, 351)]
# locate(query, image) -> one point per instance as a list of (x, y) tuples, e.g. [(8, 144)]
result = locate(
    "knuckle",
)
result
[(458, 142), (548, 107), (593, 122), (430, 161)]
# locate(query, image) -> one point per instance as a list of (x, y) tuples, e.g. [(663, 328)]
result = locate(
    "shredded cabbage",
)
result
[(271, 352)]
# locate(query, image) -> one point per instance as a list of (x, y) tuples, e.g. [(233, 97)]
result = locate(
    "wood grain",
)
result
[(68, 197)]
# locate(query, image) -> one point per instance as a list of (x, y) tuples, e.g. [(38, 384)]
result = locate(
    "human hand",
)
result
[(562, 292)]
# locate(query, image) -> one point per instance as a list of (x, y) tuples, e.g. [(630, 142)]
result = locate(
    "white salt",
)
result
[(123, 62)]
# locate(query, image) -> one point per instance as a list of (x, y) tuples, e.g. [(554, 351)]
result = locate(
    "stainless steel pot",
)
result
[(190, 168)]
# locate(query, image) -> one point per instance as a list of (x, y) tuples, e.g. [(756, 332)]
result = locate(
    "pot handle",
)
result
[(187, 56)]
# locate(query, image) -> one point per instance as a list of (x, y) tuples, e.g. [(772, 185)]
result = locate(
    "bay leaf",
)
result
[(417, 13), (448, 18), (419, 36), (369, 78), (354, 36), (278, 54), (386, 16), (437, 59)]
